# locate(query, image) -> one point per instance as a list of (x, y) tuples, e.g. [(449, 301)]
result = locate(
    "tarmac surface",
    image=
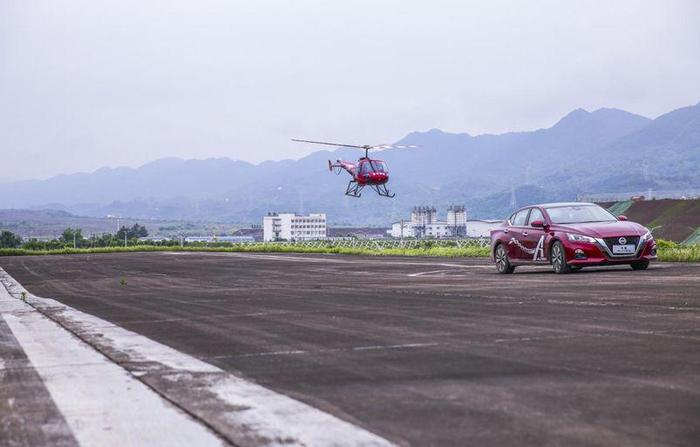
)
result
[(421, 351)]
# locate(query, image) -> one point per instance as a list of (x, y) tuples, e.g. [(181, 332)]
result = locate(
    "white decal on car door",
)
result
[(537, 252)]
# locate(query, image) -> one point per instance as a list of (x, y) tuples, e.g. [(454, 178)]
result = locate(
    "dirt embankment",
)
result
[(671, 219)]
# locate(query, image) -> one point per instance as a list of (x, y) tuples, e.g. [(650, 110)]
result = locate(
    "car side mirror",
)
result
[(537, 224), (621, 217)]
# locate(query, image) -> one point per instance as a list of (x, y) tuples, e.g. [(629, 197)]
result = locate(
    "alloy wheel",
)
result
[(501, 261), (557, 258)]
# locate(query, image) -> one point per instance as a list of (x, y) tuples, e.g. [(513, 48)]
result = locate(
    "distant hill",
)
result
[(606, 150), (48, 224)]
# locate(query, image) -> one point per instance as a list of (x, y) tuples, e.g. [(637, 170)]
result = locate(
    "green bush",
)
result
[(680, 253), (664, 244)]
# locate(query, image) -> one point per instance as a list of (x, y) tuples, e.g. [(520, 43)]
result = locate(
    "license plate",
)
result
[(623, 249)]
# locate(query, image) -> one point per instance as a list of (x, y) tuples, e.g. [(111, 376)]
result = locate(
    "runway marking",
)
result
[(321, 351), (101, 402), (332, 259), (244, 413), (407, 345), (432, 272)]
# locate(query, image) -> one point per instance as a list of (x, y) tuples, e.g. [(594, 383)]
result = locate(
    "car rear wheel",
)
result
[(503, 264), (640, 265), (558, 258)]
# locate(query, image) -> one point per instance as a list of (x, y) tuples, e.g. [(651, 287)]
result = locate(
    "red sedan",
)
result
[(570, 236)]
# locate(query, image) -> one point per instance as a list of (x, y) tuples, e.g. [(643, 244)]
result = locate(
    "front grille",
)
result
[(610, 241)]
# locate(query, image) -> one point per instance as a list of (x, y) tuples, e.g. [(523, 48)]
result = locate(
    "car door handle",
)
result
[(525, 233)]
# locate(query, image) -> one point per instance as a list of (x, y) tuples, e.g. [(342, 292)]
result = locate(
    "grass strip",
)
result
[(264, 248), (668, 252)]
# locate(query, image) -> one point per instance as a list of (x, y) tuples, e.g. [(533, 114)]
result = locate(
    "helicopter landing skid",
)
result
[(354, 189), (382, 191)]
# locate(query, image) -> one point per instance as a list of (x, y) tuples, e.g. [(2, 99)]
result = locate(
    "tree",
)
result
[(139, 230), (9, 239), (72, 235), (134, 232)]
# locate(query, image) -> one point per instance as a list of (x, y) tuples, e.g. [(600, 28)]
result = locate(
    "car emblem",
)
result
[(622, 241)]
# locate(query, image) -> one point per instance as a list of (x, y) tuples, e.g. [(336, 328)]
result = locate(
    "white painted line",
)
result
[(336, 259), (322, 351), (245, 413), (404, 346), (101, 402), (432, 272)]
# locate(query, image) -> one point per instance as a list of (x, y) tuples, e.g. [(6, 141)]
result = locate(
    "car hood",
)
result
[(604, 229)]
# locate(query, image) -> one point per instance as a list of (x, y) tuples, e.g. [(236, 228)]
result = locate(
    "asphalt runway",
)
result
[(420, 351)]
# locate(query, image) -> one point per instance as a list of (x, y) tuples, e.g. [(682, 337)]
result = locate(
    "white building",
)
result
[(424, 223), (438, 230), (481, 228), (471, 228), (402, 229), (457, 221), (293, 227)]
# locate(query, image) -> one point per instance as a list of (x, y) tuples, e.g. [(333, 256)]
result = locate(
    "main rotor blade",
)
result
[(394, 146), (329, 144)]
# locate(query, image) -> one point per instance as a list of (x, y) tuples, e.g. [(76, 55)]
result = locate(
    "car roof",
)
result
[(556, 204)]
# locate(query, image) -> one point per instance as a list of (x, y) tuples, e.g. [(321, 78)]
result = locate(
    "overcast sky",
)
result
[(89, 83)]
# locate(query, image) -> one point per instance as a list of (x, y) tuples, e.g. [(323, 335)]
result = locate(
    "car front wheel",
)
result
[(503, 264), (559, 258), (640, 265)]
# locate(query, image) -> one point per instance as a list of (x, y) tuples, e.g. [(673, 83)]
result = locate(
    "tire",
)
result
[(639, 265), (503, 264), (558, 258)]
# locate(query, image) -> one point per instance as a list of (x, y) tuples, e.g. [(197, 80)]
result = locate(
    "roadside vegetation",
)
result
[(673, 252), (73, 242), (472, 251)]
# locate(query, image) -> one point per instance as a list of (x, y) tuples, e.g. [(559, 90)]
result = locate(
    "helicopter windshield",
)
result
[(373, 166)]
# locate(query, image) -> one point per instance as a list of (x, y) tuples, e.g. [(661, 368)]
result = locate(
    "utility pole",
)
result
[(125, 232), (75, 239)]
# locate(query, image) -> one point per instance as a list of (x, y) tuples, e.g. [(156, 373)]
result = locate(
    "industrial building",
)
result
[(294, 227), (424, 223)]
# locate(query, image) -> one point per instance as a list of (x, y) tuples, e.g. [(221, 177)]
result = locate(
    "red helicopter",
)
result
[(366, 172)]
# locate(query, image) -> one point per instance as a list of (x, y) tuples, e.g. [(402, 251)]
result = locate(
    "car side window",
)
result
[(535, 214), (520, 218)]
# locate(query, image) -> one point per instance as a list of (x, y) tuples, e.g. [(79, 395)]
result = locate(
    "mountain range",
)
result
[(607, 150)]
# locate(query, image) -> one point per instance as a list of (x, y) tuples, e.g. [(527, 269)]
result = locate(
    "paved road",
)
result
[(421, 351)]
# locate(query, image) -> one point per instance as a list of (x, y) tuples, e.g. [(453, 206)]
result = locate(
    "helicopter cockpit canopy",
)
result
[(369, 166)]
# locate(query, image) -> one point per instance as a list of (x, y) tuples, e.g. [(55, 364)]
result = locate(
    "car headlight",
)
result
[(580, 238), (647, 236)]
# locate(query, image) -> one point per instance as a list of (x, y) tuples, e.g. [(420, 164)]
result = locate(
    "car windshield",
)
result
[(579, 214)]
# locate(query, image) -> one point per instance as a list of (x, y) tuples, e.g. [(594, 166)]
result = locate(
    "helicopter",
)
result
[(366, 172)]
